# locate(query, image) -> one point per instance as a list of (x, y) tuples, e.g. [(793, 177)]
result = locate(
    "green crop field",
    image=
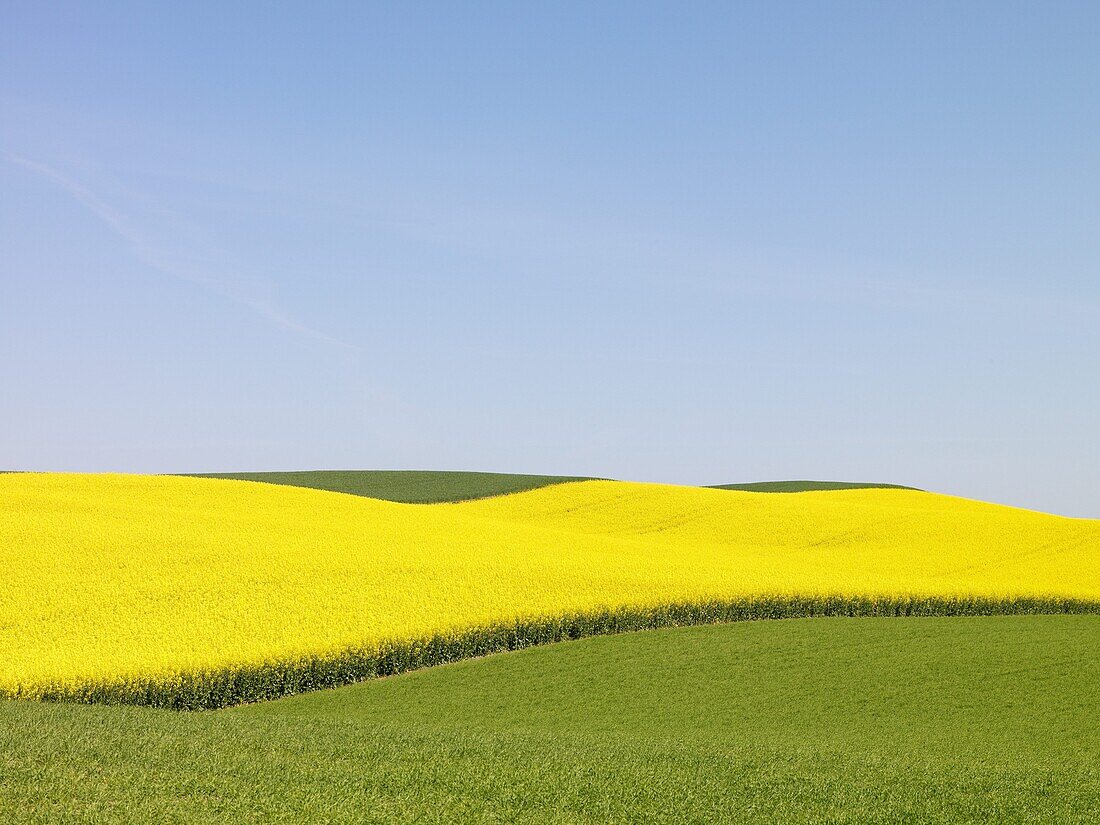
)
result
[(409, 486), (813, 720)]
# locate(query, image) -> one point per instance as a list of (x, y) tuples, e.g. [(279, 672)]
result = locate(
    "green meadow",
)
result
[(409, 486), (960, 719)]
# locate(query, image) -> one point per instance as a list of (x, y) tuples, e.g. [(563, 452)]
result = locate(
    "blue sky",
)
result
[(694, 243)]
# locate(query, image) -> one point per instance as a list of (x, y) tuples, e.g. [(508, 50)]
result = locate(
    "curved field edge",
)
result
[(852, 721), (224, 687)]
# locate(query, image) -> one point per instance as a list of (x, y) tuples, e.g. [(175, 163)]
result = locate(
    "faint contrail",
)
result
[(156, 258)]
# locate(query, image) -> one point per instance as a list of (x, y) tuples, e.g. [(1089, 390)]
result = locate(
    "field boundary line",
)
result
[(210, 689)]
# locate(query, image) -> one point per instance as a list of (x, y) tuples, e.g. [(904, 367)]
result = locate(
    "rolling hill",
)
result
[(435, 486), (408, 486), (193, 592)]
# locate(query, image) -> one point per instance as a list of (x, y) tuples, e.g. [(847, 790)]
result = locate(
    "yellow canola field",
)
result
[(110, 577)]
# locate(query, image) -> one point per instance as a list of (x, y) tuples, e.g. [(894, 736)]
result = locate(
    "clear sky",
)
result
[(683, 242)]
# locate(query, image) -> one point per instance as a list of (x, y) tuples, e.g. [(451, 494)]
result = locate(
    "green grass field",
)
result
[(409, 486), (812, 720)]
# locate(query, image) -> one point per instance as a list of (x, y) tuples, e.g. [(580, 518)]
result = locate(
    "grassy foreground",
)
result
[(819, 720), (408, 486)]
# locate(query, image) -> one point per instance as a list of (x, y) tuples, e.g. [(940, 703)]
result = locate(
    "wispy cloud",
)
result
[(225, 280)]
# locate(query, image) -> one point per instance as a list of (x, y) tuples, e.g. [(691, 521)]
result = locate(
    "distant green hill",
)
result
[(806, 486), (431, 486), (409, 486)]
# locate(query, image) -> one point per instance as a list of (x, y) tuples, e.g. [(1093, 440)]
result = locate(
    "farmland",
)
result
[(200, 593), (783, 314), (883, 689), (408, 486), (986, 719), (434, 486)]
